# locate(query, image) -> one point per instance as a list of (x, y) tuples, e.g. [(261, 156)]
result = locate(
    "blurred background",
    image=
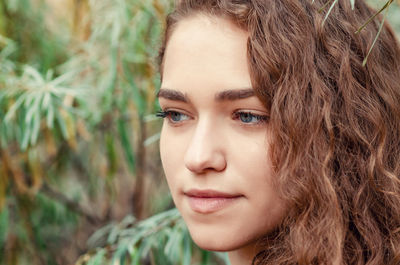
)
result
[(80, 172)]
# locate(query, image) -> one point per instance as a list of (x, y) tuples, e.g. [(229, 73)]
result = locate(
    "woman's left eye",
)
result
[(250, 118)]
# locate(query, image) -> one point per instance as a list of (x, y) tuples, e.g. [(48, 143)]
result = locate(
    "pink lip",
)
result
[(209, 201)]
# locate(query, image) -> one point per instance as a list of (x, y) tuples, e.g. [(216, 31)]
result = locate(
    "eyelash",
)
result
[(261, 118)]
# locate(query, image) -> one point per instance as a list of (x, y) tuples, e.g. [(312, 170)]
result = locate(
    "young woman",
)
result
[(278, 146)]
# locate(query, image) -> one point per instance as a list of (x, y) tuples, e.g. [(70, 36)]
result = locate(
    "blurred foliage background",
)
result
[(79, 139)]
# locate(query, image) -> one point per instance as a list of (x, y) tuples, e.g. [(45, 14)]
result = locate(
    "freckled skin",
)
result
[(210, 148)]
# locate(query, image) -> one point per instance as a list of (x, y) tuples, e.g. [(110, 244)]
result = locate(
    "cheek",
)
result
[(249, 158), (168, 156), (248, 171), (172, 149), (251, 162)]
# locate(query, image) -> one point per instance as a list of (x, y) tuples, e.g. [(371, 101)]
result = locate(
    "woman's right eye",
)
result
[(173, 116)]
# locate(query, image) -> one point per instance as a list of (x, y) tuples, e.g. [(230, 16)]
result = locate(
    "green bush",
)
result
[(78, 135)]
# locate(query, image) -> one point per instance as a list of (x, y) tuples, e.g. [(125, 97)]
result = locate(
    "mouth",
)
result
[(209, 201)]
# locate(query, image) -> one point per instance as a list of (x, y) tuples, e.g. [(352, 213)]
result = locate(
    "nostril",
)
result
[(206, 151), (200, 164)]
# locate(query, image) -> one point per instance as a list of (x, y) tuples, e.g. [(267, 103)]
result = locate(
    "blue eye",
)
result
[(172, 116), (250, 118), (244, 117), (177, 116)]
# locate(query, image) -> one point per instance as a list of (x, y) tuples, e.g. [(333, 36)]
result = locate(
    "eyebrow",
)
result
[(226, 95), (234, 94), (172, 95)]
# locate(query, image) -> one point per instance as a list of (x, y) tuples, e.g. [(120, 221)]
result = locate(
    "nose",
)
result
[(206, 150)]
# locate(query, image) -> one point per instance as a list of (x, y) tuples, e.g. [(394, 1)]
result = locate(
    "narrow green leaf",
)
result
[(352, 2), (114, 233), (26, 130), (152, 139), (386, 6), (137, 256), (32, 72), (147, 245), (34, 108), (11, 112), (61, 124), (50, 116), (172, 246), (111, 79), (324, 6), (126, 145), (4, 225), (62, 78), (116, 32), (98, 258), (49, 75), (138, 98), (205, 257), (329, 11), (46, 101), (98, 239), (222, 256), (120, 255), (35, 128), (187, 249), (376, 37), (111, 154), (31, 95)]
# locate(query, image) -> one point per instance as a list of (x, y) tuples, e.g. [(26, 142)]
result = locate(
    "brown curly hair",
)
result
[(335, 125)]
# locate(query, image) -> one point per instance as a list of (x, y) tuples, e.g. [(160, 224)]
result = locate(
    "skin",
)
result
[(210, 141)]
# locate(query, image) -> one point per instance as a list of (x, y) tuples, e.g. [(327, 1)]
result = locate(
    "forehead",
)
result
[(213, 28), (209, 50)]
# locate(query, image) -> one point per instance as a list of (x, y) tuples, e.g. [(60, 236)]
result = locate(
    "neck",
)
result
[(242, 256)]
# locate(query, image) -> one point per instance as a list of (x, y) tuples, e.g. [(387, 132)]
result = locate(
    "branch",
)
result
[(70, 204)]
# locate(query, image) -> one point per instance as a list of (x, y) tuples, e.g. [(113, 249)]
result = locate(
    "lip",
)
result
[(209, 201)]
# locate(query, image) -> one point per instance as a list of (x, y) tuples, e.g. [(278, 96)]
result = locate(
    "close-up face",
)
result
[(215, 137)]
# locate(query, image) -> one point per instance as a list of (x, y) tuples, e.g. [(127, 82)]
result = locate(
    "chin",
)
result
[(221, 241), (214, 244)]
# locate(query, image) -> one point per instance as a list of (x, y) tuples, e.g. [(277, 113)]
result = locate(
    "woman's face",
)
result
[(214, 140)]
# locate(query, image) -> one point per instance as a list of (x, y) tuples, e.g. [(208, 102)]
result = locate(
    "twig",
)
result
[(70, 204), (386, 6)]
